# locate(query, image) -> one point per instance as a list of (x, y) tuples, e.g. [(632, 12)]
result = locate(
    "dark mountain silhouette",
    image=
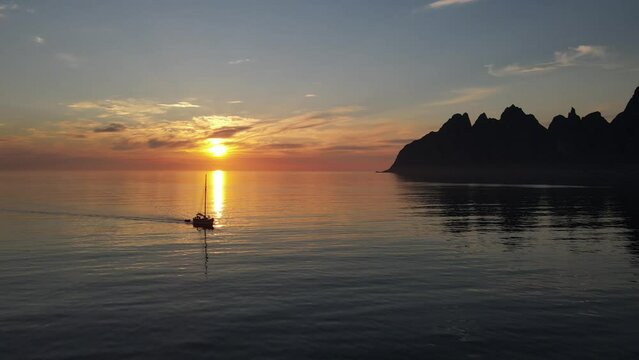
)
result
[(625, 131), (517, 148)]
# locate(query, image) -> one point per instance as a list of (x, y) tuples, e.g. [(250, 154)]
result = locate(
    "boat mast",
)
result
[(205, 183)]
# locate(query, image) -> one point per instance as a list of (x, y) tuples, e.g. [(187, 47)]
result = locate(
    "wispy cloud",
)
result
[(227, 131), (465, 95), (170, 143), (69, 59), (232, 102), (110, 128), (354, 148), (38, 40), (282, 146), (4, 8), (240, 61), (318, 118), (299, 129), (142, 129), (181, 104), (311, 132), (212, 122), (580, 55), (137, 109), (181, 135), (131, 108), (444, 3), (310, 95), (146, 135)]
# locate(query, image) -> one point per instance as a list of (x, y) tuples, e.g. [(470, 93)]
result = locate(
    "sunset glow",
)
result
[(348, 100), (217, 149)]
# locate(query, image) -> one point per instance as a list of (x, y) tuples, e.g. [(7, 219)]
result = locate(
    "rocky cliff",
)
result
[(517, 145)]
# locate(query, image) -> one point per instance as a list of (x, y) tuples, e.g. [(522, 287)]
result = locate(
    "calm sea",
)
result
[(313, 265)]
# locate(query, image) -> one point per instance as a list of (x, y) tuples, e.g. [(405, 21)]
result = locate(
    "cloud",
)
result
[(310, 95), (351, 148), (228, 131), (318, 118), (140, 131), (181, 104), (69, 60), (233, 102), (240, 61), (4, 8), (38, 40), (169, 143), (283, 146), (466, 95), (301, 128), (571, 57), (110, 128), (180, 135), (131, 108), (331, 133), (209, 122), (128, 108), (443, 3), (515, 69)]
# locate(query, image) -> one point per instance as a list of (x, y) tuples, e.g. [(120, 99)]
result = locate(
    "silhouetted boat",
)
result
[(202, 220)]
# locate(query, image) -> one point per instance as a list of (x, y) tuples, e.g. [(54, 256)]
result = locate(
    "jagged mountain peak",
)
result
[(518, 140), (594, 122), (515, 119), (573, 114), (594, 116), (456, 124), (512, 112), (633, 104), (562, 123), (628, 120), (484, 122)]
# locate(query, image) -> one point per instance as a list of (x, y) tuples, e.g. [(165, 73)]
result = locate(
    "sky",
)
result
[(292, 84)]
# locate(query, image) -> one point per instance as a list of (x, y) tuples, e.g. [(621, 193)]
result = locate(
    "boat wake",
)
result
[(169, 220)]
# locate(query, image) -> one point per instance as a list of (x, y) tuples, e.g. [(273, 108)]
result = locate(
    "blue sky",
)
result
[(330, 81)]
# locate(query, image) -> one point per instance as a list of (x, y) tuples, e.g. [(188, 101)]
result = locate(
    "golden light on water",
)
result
[(217, 149), (218, 193)]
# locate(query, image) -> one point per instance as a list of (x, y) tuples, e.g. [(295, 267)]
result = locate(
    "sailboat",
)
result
[(203, 220)]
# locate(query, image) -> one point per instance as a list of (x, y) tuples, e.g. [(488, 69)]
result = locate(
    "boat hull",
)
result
[(203, 223)]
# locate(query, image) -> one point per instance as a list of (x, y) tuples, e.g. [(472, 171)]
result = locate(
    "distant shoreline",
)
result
[(617, 176)]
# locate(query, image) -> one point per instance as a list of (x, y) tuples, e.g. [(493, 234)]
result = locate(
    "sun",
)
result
[(217, 149)]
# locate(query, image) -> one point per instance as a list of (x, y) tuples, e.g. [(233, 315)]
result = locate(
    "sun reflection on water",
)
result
[(218, 193)]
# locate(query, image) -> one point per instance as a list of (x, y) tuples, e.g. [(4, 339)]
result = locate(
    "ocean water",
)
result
[(313, 265)]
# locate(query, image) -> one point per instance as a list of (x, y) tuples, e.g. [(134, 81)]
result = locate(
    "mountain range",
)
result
[(517, 148)]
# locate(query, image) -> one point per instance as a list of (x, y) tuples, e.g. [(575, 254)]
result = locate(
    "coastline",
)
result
[(623, 176)]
